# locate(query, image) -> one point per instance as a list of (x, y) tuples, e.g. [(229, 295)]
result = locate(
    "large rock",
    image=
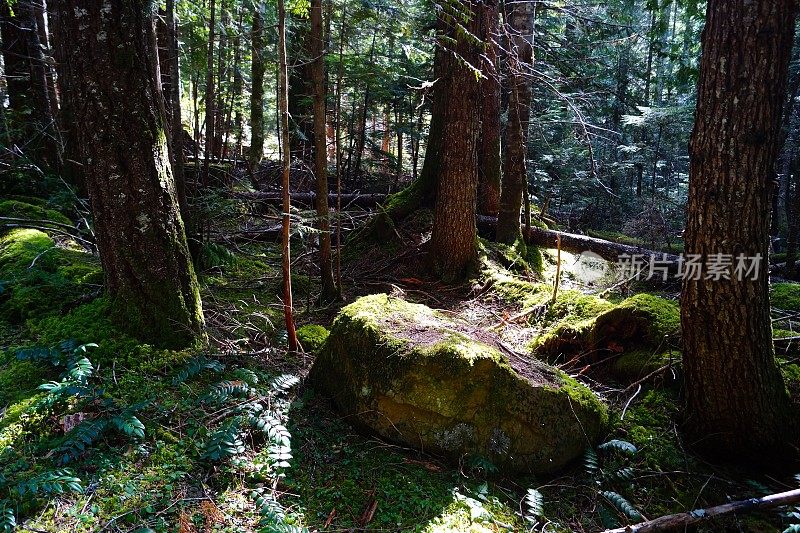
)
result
[(414, 376)]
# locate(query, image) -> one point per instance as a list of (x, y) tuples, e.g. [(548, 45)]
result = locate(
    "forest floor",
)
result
[(227, 437)]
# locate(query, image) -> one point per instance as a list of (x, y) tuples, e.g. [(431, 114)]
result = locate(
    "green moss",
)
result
[(312, 337), (92, 323), (657, 317), (517, 257), (18, 209), (785, 296), (649, 424), (41, 278), (637, 364), (18, 379)]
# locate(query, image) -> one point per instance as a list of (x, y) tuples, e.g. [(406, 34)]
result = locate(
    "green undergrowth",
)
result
[(339, 475), (785, 296)]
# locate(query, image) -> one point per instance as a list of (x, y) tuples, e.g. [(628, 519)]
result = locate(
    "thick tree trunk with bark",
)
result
[(489, 138), (328, 290), (123, 152), (736, 402), (454, 239), (515, 174), (257, 90)]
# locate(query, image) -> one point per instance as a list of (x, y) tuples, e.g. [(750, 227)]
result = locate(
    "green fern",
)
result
[(273, 515), (79, 439), (128, 424), (591, 463), (195, 366), (623, 474), (8, 521), (534, 506), (54, 482), (622, 505), (224, 390), (79, 370), (225, 442), (246, 375), (284, 383), (794, 528), (271, 426), (618, 445)]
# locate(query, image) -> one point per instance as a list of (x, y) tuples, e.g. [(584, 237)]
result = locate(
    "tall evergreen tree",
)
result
[(736, 402), (110, 51)]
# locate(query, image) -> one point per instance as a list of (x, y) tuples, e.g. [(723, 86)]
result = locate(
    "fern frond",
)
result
[(794, 528), (80, 438), (246, 375), (271, 426), (590, 462), (8, 521), (79, 370), (225, 442), (534, 503), (273, 515), (618, 445), (221, 392), (195, 366), (623, 474), (622, 505), (284, 383), (54, 482), (129, 424)]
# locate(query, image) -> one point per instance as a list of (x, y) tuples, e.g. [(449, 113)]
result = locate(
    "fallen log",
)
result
[(681, 520), (308, 198), (576, 244)]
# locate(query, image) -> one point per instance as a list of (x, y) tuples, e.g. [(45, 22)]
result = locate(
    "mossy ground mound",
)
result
[(414, 376), (785, 296), (636, 336), (40, 277)]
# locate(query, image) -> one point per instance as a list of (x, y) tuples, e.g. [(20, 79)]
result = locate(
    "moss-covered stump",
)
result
[(416, 377), (640, 330)]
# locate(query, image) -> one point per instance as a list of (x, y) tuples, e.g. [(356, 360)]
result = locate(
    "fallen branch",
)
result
[(574, 243), (308, 198), (681, 520)]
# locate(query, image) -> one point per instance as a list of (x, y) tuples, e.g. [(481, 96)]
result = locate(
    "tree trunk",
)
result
[(257, 91), (174, 114), (328, 290), (736, 402), (26, 75), (489, 137), (123, 148), (515, 173), (209, 140), (286, 163), (453, 249)]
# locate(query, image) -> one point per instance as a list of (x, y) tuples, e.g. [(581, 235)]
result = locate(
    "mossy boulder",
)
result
[(39, 277), (641, 330), (415, 376), (28, 211)]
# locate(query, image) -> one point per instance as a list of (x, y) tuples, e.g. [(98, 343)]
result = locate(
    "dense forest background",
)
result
[(344, 265)]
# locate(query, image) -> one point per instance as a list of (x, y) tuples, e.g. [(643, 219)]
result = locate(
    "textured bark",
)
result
[(515, 174), (328, 290), (123, 151), (736, 402), (257, 90), (454, 238), (489, 137), (174, 111)]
